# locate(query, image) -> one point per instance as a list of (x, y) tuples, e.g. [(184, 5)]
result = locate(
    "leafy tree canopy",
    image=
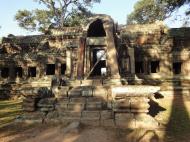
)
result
[(149, 11), (58, 13)]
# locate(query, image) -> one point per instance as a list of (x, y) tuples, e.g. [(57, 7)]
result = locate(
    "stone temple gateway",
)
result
[(99, 73)]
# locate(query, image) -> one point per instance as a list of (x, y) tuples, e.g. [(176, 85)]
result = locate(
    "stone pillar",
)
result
[(132, 60), (111, 51), (68, 63), (81, 54)]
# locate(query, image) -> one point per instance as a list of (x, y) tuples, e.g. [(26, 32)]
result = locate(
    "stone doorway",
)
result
[(98, 62)]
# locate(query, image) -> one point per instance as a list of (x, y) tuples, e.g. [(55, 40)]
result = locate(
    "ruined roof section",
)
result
[(34, 39), (180, 32), (68, 31), (143, 29)]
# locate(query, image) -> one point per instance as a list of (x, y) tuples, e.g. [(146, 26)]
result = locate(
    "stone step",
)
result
[(90, 115), (77, 107), (70, 115), (74, 93)]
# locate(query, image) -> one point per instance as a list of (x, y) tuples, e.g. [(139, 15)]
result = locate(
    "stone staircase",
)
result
[(84, 103)]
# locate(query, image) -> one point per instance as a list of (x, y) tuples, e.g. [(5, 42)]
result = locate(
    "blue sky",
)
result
[(118, 9)]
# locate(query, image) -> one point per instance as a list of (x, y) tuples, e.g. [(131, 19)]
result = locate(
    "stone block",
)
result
[(77, 107), (106, 114), (87, 93), (100, 92), (122, 104), (47, 109), (47, 101), (61, 106), (124, 116), (93, 99), (27, 104), (91, 115), (29, 109), (78, 100), (86, 82), (139, 110), (90, 122), (94, 106), (139, 105), (63, 100), (70, 114), (74, 93)]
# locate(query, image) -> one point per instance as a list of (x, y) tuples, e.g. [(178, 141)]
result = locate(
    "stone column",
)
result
[(111, 51), (68, 63), (81, 54), (132, 60)]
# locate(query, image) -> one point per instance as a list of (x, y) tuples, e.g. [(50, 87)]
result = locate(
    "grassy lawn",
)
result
[(8, 111)]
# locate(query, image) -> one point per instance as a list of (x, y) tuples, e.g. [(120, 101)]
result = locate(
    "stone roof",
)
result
[(180, 32)]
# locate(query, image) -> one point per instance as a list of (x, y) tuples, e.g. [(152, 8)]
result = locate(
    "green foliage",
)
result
[(149, 11), (58, 13)]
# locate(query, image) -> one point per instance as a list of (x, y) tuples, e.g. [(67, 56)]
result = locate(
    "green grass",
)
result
[(8, 111)]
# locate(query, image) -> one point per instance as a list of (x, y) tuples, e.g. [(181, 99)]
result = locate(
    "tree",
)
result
[(149, 11), (58, 13)]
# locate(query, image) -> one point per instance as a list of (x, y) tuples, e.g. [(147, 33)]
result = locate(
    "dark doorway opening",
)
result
[(98, 62), (18, 71), (139, 67), (5, 72), (32, 72), (63, 69), (96, 29), (155, 66), (50, 69), (177, 67)]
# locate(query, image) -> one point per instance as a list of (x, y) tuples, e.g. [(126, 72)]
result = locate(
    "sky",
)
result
[(117, 9)]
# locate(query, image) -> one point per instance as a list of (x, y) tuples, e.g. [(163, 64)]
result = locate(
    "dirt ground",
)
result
[(44, 133)]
